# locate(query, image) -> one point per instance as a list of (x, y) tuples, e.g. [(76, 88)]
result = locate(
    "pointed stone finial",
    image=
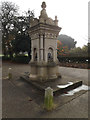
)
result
[(43, 5), (56, 21), (55, 17)]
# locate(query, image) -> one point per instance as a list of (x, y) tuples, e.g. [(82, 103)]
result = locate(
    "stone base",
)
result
[(43, 71), (53, 84)]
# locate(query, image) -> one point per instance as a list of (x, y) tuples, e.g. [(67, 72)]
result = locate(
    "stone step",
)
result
[(53, 85)]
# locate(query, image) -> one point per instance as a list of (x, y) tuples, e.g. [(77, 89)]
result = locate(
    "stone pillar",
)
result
[(46, 53), (38, 55), (41, 47), (54, 55), (48, 102), (32, 59), (10, 73)]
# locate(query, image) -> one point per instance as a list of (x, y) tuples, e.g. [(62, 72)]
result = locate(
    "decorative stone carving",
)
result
[(43, 13), (43, 18), (34, 22), (56, 21), (43, 5)]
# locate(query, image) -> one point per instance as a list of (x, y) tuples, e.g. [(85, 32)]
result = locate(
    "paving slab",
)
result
[(76, 108)]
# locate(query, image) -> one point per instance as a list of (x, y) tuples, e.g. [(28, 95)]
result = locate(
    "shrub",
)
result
[(21, 59), (6, 58), (73, 59)]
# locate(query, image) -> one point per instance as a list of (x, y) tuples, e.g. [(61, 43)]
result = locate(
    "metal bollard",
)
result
[(48, 100), (10, 73)]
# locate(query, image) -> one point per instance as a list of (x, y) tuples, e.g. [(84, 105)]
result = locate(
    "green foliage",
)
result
[(8, 14), (67, 41), (76, 55), (6, 58), (73, 59), (61, 50), (76, 50), (21, 59), (15, 36), (64, 44), (85, 49), (21, 43), (80, 51), (89, 49)]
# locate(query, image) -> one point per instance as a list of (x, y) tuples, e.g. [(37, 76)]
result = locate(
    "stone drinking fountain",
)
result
[(43, 33)]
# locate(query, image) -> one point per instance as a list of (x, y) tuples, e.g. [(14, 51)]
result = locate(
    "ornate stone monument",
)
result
[(43, 33)]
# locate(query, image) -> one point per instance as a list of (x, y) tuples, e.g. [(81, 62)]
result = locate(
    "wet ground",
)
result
[(22, 100)]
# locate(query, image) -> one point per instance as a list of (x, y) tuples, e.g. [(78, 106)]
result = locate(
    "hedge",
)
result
[(21, 59), (73, 59), (6, 58)]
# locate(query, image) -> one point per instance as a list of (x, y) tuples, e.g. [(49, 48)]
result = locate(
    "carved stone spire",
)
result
[(43, 18), (56, 21), (43, 13)]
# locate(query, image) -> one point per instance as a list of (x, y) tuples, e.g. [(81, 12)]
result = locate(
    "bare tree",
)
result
[(8, 15)]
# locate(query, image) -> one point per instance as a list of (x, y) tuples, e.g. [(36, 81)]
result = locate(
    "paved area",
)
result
[(21, 100), (0, 89), (0, 93)]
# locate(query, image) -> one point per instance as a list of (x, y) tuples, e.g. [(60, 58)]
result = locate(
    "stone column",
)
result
[(46, 53), (32, 59), (56, 54), (41, 47), (38, 55), (10, 73), (48, 101)]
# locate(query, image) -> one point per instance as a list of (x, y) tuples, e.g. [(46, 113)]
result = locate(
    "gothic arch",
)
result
[(50, 46), (50, 54)]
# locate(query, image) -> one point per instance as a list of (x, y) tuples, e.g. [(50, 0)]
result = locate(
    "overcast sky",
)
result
[(72, 15)]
